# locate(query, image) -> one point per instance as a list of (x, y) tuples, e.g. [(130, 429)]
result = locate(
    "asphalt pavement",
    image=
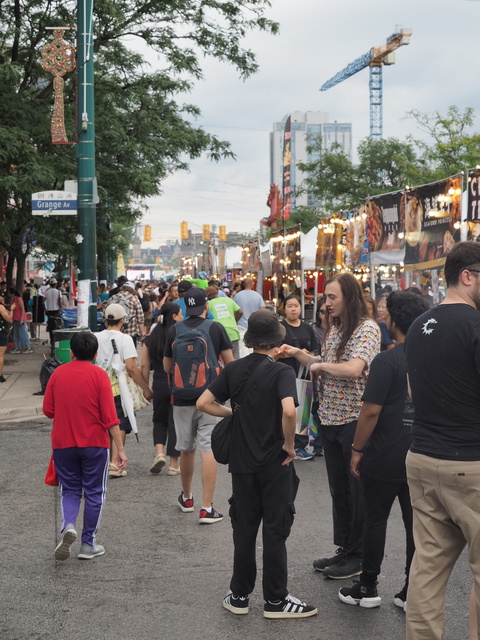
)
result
[(163, 575)]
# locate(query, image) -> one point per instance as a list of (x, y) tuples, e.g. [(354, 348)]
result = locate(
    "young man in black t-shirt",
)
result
[(442, 350), (382, 439), (264, 483), (194, 428)]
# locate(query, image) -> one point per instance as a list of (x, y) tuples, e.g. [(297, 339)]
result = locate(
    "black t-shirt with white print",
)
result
[(442, 350), (257, 436)]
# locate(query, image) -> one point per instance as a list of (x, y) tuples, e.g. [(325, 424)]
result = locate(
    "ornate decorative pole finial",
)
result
[(58, 58)]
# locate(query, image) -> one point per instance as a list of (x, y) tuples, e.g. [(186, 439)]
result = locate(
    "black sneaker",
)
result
[(322, 563), (348, 567), (209, 517), (400, 599), (236, 604), (2, 379), (365, 596), (289, 607), (185, 504)]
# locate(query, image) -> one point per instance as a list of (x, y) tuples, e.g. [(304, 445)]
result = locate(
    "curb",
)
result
[(19, 415)]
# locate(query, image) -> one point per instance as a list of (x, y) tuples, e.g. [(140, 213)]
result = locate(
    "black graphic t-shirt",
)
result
[(442, 350), (387, 448)]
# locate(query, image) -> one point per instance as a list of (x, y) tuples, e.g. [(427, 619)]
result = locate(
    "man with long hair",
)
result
[(351, 342)]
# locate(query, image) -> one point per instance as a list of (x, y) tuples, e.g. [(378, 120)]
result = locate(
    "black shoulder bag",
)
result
[(222, 431)]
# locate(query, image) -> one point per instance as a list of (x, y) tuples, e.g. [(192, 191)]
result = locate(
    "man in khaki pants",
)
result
[(442, 350)]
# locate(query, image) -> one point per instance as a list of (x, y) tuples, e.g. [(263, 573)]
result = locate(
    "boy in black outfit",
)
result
[(264, 481)]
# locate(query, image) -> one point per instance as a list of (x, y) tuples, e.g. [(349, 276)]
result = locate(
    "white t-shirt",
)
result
[(125, 345)]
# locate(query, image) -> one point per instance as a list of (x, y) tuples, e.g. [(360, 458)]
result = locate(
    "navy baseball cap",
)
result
[(195, 300)]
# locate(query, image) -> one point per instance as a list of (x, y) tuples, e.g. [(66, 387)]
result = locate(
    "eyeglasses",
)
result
[(322, 311), (473, 270)]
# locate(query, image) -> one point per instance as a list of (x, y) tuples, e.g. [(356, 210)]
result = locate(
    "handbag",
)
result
[(51, 476), (139, 401), (222, 431), (136, 393)]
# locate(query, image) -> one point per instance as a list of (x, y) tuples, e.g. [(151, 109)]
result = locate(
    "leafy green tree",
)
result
[(451, 145), (383, 166), (143, 133)]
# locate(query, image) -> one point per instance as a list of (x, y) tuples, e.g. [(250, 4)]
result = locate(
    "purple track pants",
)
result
[(82, 470)]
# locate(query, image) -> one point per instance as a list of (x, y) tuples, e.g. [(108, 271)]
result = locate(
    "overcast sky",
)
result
[(439, 67)]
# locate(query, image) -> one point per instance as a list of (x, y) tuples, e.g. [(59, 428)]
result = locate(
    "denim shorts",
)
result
[(124, 421)]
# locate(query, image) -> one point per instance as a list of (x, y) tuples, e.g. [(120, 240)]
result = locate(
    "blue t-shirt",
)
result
[(183, 307)]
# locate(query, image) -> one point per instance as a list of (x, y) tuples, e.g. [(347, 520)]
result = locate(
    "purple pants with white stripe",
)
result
[(82, 470)]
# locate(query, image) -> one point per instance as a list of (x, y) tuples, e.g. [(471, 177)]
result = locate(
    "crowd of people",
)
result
[(395, 403)]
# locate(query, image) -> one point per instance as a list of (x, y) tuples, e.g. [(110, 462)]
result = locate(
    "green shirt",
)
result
[(224, 310)]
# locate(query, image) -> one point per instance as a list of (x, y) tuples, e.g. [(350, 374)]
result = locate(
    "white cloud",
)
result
[(439, 68)]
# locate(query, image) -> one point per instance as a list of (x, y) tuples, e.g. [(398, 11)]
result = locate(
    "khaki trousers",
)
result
[(445, 498)]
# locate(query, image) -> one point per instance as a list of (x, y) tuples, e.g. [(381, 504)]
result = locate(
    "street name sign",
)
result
[(54, 203)]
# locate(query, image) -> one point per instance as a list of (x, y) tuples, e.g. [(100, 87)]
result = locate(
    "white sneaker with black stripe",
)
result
[(289, 607)]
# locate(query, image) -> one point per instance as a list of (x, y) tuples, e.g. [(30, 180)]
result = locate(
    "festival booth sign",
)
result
[(329, 237), (286, 250), (251, 260), (432, 222), (473, 205), (384, 217), (356, 241)]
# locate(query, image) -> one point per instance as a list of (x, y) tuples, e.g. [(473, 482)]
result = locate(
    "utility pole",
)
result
[(87, 244)]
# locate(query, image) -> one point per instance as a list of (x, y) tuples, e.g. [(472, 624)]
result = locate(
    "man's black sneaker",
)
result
[(236, 604), (209, 517), (365, 596), (400, 599), (185, 504), (322, 563), (348, 567), (289, 607)]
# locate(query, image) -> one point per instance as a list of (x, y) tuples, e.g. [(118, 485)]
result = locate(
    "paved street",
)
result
[(164, 576)]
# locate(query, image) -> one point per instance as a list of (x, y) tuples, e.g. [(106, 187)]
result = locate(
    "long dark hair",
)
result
[(355, 309), (158, 337), (320, 302)]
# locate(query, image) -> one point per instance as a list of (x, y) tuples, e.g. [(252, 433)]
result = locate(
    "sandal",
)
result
[(114, 471), (173, 471), (158, 463)]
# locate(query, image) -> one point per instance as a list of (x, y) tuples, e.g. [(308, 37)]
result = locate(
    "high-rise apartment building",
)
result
[(304, 126)]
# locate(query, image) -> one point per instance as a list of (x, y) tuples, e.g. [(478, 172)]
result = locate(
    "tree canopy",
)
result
[(390, 164), (143, 133)]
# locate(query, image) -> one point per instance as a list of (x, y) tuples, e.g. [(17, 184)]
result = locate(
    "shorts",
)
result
[(124, 421), (193, 429), (3, 339)]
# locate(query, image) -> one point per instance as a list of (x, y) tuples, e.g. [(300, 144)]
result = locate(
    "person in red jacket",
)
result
[(79, 399)]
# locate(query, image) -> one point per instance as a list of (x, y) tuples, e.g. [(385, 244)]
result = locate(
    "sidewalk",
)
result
[(22, 371)]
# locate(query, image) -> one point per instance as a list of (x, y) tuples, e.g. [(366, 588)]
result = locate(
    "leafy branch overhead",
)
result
[(147, 55)]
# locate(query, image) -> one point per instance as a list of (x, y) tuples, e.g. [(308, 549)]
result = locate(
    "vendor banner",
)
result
[(384, 218), (473, 205), (432, 214), (328, 240), (356, 241)]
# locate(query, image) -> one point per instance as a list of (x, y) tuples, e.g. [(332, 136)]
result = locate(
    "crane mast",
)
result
[(374, 59)]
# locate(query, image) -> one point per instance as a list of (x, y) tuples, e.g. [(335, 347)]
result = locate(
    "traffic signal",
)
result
[(206, 232), (184, 230), (147, 233), (222, 233)]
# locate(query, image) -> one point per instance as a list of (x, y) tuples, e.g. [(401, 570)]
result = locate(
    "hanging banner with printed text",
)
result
[(432, 222)]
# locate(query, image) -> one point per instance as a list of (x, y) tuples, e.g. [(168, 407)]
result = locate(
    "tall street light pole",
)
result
[(86, 239)]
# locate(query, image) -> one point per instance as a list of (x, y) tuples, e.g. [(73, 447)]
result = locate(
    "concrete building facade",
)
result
[(305, 126)]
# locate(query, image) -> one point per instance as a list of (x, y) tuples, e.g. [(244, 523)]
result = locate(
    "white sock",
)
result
[(209, 509)]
